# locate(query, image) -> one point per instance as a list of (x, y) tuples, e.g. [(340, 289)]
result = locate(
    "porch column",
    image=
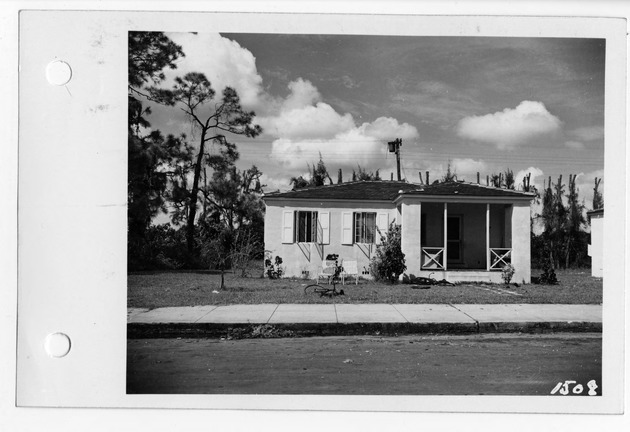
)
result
[(445, 233), (410, 236), (420, 234), (488, 237)]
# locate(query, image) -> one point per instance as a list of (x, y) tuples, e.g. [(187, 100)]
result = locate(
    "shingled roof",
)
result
[(381, 190)]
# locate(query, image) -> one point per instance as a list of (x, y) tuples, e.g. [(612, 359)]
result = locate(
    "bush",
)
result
[(389, 262), (162, 248), (507, 272), (273, 269), (548, 277)]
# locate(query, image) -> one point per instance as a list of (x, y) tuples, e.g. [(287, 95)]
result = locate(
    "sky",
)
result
[(482, 104)]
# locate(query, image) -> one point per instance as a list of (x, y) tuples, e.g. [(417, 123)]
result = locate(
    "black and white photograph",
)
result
[(393, 217), (365, 215)]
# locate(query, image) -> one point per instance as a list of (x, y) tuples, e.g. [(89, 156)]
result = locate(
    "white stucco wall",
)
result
[(521, 243), (596, 248), (299, 258)]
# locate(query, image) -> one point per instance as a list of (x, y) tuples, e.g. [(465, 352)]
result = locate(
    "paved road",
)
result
[(505, 364)]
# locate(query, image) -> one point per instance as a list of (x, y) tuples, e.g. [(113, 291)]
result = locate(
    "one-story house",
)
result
[(452, 230), (596, 248)]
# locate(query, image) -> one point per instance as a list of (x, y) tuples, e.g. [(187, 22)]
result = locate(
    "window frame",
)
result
[(310, 233), (360, 228)]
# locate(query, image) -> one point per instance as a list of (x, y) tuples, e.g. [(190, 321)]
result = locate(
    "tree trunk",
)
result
[(222, 280), (192, 209)]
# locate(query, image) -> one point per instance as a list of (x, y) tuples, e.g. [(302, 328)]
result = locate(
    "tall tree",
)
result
[(362, 174), (450, 175), (214, 119), (149, 53), (318, 174), (575, 220), (550, 229), (299, 182), (598, 198), (509, 181)]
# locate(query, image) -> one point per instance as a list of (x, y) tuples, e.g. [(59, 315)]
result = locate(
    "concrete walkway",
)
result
[(495, 317)]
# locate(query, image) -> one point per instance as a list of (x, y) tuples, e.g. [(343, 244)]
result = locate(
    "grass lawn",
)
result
[(162, 289)]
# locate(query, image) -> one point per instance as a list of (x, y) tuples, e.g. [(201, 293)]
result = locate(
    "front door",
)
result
[(454, 239)]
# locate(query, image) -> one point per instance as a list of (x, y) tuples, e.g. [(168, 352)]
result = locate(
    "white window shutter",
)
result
[(324, 221), (346, 228), (287, 227), (382, 223)]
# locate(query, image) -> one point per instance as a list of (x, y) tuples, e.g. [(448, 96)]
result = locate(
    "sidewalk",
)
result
[(328, 319)]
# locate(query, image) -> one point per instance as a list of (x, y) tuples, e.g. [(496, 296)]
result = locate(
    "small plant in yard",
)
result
[(548, 276), (273, 269), (507, 272), (389, 261)]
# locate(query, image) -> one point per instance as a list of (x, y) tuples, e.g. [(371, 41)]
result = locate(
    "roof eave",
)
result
[(464, 198), (294, 199)]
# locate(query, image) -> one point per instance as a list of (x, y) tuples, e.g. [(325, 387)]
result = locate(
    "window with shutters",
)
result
[(306, 226), (364, 227)]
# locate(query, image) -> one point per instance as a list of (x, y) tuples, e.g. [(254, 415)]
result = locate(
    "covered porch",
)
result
[(466, 241)]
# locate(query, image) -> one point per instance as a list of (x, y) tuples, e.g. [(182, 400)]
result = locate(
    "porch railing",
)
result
[(500, 257), (433, 258)]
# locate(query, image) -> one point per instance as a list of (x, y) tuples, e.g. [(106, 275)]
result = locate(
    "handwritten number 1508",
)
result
[(563, 388)]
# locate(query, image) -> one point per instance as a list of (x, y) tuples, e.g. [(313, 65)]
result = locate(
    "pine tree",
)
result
[(215, 119), (598, 198)]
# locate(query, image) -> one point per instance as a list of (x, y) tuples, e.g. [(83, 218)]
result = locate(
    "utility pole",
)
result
[(394, 147)]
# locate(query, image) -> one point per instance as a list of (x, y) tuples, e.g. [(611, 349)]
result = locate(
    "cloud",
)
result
[(588, 133), (585, 184), (303, 127), (275, 183), (535, 174), (576, 145), (467, 169), (432, 102), (513, 126), (302, 115), (364, 145), (223, 61)]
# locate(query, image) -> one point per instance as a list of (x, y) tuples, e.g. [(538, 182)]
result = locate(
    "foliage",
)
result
[(245, 249), (507, 272), (273, 269), (548, 276), (299, 182), (214, 119), (450, 175), (563, 234), (496, 180), (150, 168), (318, 174), (149, 54), (162, 247), (149, 152), (389, 261), (509, 181), (363, 175), (598, 198), (575, 222)]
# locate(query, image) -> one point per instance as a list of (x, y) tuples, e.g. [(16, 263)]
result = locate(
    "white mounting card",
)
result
[(73, 203)]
